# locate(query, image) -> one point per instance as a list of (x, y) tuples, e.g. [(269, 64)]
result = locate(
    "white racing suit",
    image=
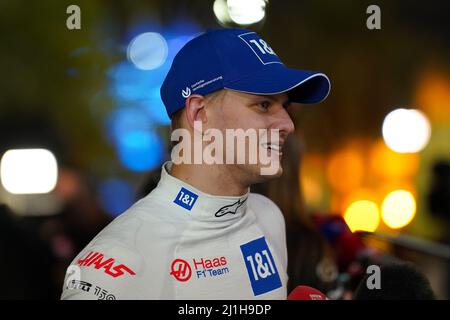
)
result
[(180, 243)]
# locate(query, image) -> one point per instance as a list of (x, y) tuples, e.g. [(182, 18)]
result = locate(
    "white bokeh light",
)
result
[(148, 51), (28, 171), (220, 9), (406, 130), (246, 12)]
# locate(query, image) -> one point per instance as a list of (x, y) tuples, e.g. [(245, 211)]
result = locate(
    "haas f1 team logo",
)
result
[(109, 265), (203, 268), (181, 270)]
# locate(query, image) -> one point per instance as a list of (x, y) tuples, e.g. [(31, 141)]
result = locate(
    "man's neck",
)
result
[(209, 179)]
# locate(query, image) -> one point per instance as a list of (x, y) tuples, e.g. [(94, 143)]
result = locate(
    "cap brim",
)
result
[(306, 87)]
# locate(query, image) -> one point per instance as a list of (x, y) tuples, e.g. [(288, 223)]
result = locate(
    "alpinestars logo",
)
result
[(204, 268), (109, 265), (186, 92), (232, 208)]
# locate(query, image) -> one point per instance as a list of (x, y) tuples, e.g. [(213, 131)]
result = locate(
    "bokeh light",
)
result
[(240, 12), (147, 51), (311, 189), (342, 202), (345, 170), (362, 215), (133, 87), (131, 84), (220, 9), (115, 196), (312, 179), (28, 171), (137, 82), (124, 120), (140, 150), (388, 164), (246, 12), (406, 130), (433, 95), (398, 209)]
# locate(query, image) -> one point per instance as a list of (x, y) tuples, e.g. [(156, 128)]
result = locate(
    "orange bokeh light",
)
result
[(386, 163), (345, 170), (433, 95)]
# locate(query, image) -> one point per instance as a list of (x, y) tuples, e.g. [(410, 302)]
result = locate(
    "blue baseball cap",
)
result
[(238, 60)]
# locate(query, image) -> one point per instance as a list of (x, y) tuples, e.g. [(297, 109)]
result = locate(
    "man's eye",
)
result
[(264, 105)]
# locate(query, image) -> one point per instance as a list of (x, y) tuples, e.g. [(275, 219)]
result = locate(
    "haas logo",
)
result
[(186, 92), (111, 267), (181, 270)]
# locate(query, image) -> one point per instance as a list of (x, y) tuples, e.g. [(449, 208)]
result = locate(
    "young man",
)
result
[(200, 234)]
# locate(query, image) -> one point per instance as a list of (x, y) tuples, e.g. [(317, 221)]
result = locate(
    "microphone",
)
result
[(306, 293), (397, 281)]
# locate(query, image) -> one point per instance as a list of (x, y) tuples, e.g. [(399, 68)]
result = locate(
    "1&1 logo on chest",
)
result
[(261, 268), (185, 199)]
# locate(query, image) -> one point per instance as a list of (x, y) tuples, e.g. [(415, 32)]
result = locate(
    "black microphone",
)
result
[(397, 281)]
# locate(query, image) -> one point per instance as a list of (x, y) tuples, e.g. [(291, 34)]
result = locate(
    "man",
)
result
[(200, 234)]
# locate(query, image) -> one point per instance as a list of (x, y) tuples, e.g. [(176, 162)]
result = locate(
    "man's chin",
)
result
[(269, 172)]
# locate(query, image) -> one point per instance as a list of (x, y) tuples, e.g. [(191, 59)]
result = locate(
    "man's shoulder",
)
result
[(269, 217), (264, 205), (140, 224), (117, 240), (111, 261), (156, 209), (271, 221)]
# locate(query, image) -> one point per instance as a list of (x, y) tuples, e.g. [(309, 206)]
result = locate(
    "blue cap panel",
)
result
[(193, 71), (236, 59), (241, 53)]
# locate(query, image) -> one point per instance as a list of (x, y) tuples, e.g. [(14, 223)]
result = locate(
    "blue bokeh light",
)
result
[(115, 196), (131, 127), (125, 120), (129, 130), (130, 85), (156, 109), (140, 150)]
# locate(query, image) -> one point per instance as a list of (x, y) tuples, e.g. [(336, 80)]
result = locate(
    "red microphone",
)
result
[(306, 293)]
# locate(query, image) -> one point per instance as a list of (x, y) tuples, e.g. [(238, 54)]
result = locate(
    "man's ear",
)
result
[(195, 109)]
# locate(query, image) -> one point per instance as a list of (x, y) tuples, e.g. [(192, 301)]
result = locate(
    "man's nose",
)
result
[(284, 122)]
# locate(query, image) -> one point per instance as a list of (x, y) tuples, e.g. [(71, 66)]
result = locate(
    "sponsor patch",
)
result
[(185, 199), (201, 268), (109, 265), (261, 268)]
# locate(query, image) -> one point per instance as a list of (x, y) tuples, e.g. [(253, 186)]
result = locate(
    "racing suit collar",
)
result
[(200, 204)]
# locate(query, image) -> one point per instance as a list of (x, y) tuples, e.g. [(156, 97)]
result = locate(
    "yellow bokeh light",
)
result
[(386, 163), (340, 203), (311, 189), (345, 170), (362, 215), (311, 177), (398, 209)]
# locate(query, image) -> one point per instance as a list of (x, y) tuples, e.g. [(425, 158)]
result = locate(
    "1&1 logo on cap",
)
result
[(185, 199), (260, 48), (261, 268)]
